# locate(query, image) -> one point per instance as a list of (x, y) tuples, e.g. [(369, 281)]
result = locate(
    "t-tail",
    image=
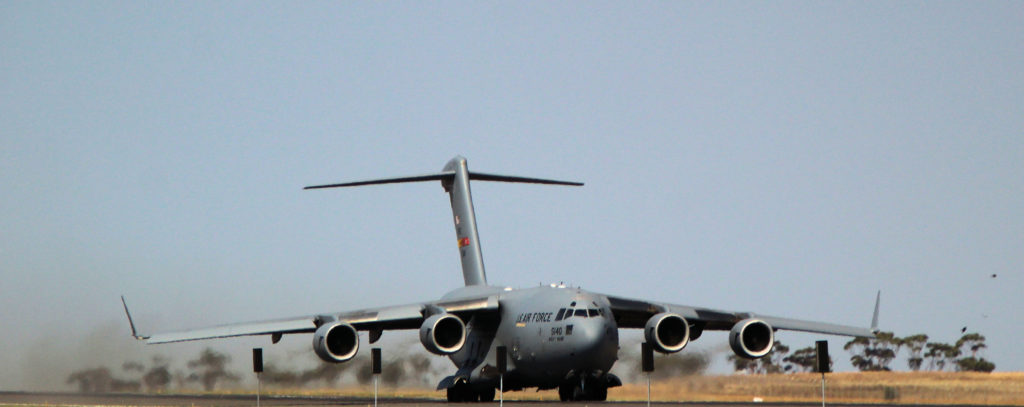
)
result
[(455, 179)]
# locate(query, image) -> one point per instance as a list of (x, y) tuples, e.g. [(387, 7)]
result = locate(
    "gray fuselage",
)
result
[(552, 333)]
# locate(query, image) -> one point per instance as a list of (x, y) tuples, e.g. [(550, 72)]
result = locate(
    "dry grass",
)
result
[(881, 388)]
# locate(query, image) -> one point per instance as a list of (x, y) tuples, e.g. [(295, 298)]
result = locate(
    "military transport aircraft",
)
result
[(556, 336)]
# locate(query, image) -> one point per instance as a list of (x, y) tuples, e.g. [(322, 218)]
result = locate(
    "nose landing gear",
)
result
[(584, 389)]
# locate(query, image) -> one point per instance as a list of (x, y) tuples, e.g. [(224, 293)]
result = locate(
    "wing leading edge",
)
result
[(631, 313), (374, 320)]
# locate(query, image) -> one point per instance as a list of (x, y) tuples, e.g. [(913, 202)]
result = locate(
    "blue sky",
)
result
[(788, 158)]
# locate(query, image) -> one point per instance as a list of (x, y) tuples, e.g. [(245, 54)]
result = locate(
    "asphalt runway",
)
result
[(76, 399)]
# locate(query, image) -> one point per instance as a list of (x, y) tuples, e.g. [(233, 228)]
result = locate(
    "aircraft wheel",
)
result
[(578, 394), (565, 391), (461, 393), (597, 392), (487, 395)]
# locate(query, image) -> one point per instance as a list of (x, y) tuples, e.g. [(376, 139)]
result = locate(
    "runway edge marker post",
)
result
[(647, 366), (257, 367), (823, 365)]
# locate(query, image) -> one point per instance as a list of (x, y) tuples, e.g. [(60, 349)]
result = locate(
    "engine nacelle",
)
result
[(667, 332), (751, 338), (443, 334), (337, 342)]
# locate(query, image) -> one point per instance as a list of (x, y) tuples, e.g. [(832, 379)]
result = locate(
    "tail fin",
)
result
[(455, 179)]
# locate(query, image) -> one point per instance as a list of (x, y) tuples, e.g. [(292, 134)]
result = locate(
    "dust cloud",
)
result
[(106, 358)]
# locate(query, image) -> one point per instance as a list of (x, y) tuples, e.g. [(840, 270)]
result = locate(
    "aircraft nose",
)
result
[(595, 340)]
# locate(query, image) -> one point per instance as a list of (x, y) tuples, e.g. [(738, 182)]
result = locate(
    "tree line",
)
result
[(210, 371), (210, 368), (878, 353)]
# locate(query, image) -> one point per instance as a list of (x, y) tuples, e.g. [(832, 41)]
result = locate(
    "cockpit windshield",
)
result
[(566, 313)]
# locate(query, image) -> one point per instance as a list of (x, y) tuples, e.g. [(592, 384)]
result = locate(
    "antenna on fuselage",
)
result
[(455, 177)]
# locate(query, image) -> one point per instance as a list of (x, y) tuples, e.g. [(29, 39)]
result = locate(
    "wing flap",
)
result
[(285, 326)]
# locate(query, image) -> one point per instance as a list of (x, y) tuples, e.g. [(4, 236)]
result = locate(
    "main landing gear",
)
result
[(462, 392)]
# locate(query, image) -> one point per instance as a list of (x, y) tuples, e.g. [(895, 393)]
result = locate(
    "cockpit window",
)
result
[(571, 311)]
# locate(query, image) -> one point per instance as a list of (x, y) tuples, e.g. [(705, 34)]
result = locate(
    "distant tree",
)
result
[(741, 364), (420, 367), (680, 364), (328, 373), (939, 354), (363, 373), (180, 379), (972, 342), (133, 367), (272, 374), (873, 354), (100, 380), (95, 380), (804, 359), (972, 364), (888, 346), (210, 368), (158, 376), (773, 362), (916, 344), (393, 375)]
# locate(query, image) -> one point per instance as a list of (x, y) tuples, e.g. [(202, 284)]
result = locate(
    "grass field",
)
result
[(882, 388)]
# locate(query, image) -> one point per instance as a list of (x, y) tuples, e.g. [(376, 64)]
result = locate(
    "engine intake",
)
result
[(751, 338), (443, 334), (336, 342), (667, 332)]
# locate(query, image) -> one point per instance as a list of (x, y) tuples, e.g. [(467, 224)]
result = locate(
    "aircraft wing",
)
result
[(631, 313), (375, 320), (279, 327)]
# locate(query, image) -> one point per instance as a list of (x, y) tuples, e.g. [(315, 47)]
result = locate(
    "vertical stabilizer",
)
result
[(465, 222), (455, 179)]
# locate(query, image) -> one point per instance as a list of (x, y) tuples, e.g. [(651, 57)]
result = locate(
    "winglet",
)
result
[(874, 318), (135, 334)]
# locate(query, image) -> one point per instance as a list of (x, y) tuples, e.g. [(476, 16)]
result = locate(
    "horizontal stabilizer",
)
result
[(507, 178), (417, 178), (455, 178), (448, 175)]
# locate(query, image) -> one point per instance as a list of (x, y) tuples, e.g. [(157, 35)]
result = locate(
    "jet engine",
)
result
[(443, 334), (751, 338), (667, 332), (336, 343)]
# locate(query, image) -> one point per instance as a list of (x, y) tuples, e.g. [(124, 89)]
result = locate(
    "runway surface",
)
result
[(76, 399)]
